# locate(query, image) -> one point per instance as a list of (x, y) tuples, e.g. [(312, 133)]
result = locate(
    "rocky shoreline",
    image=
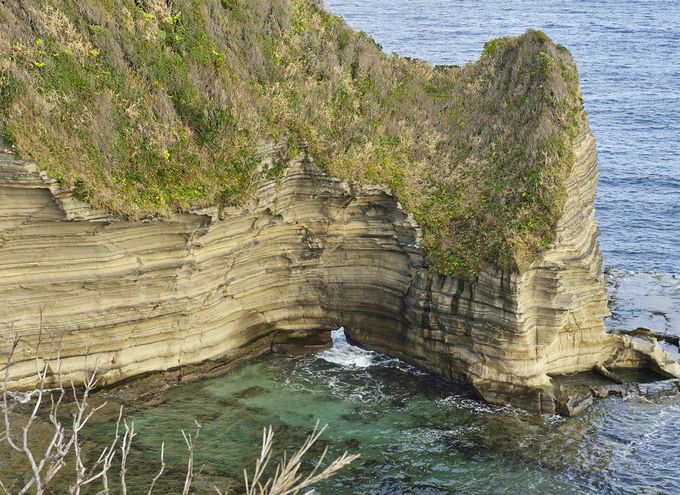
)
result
[(202, 291)]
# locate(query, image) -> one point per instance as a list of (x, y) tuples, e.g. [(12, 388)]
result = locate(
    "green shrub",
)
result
[(148, 107)]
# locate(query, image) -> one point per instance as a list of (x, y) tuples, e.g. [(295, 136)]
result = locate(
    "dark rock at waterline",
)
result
[(650, 334), (664, 388), (575, 404), (614, 390), (352, 443)]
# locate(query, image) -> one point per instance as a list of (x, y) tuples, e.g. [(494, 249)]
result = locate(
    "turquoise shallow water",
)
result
[(416, 434)]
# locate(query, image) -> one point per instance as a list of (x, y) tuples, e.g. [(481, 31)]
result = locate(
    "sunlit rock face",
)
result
[(203, 291), (506, 333)]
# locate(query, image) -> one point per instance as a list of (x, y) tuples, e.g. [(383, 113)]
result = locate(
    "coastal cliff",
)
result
[(441, 215), (310, 253)]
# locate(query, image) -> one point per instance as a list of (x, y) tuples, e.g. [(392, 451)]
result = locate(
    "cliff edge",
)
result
[(442, 215)]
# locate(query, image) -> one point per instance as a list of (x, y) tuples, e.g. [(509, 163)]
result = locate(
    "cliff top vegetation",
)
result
[(145, 107)]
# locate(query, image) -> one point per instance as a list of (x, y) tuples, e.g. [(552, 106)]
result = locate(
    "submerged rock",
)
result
[(664, 388), (575, 404)]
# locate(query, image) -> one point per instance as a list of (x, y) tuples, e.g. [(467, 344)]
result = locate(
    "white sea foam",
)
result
[(344, 354), (27, 397)]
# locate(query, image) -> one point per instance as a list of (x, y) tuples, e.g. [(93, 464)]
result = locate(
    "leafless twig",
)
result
[(287, 479), (160, 473), (191, 447), (66, 440), (46, 464)]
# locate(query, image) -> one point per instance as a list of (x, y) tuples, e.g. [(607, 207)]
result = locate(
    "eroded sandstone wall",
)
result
[(308, 254)]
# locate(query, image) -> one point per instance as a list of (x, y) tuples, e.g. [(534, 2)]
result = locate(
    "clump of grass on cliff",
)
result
[(151, 106)]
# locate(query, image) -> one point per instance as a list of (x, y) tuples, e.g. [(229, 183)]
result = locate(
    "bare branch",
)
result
[(101, 467), (4, 489), (286, 479), (45, 467), (191, 447), (125, 451), (160, 473)]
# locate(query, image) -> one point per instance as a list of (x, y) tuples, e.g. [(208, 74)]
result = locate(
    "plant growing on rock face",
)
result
[(156, 106), (65, 447)]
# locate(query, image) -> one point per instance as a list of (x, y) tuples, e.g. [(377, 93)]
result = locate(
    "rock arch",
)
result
[(309, 252)]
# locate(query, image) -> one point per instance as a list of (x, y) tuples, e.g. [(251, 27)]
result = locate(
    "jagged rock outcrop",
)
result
[(308, 254)]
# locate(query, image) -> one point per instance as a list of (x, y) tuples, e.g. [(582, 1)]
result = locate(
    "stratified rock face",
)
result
[(506, 332), (310, 253)]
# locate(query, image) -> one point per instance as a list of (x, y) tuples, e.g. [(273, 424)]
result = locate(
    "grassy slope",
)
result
[(147, 106)]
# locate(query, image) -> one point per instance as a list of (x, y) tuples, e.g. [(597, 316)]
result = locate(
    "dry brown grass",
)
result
[(154, 106)]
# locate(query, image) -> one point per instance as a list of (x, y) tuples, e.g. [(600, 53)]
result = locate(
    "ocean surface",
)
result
[(416, 434)]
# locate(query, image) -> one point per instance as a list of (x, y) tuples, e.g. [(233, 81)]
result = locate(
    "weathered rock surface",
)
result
[(308, 254)]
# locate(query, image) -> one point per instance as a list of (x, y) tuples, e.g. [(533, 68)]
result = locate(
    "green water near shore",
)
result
[(416, 434)]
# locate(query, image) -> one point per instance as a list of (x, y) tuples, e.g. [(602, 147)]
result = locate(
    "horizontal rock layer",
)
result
[(308, 254)]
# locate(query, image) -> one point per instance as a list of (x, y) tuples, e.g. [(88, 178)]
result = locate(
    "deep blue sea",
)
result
[(416, 434)]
